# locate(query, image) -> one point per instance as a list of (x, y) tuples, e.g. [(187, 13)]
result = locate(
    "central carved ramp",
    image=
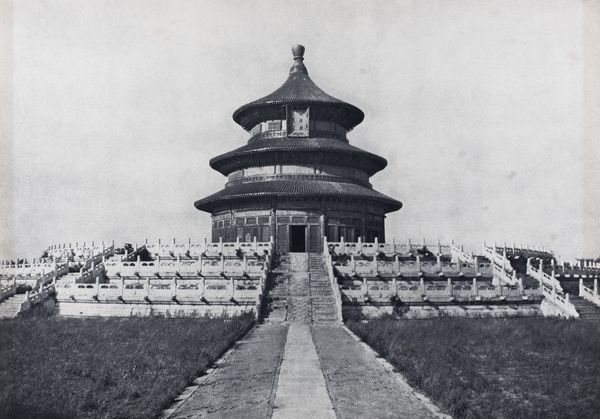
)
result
[(298, 289), (310, 299)]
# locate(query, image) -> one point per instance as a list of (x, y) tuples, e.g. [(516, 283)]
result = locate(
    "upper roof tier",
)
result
[(298, 90)]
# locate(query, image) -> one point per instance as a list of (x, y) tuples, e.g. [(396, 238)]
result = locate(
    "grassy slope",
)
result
[(105, 368), (495, 368)]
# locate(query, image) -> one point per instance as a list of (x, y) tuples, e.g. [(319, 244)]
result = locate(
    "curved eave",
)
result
[(298, 90), (287, 150), (348, 116), (286, 189)]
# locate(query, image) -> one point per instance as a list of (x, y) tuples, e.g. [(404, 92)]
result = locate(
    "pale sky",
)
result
[(118, 106)]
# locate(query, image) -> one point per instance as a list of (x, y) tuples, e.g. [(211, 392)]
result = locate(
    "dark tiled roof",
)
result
[(322, 151), (297, 189), (298, 90)]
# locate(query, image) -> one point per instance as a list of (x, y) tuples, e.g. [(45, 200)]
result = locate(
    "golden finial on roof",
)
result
[(298, 51)]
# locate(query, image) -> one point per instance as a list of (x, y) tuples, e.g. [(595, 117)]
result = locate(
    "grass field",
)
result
[(105, 368), (495, 368)]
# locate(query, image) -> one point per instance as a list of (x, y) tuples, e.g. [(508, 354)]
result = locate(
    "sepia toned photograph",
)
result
[(299, 209)]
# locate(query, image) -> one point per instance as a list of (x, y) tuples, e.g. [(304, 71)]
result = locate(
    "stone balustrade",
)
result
[(36, 280), (499, 259), (31, 269), (190, 249), (203, 266), (383, 291), (337, 296), (360, 248), (77, 252), (499, 271), (576, 271), (8, 288), (589, 293), (587, 264), (236, 279), (93, 274), (458, 253), (560, 301), (552, 290), (47, 270), (200, 291), (33, 298), (375, 267), (526, 251), (549, 281), (97, 257)]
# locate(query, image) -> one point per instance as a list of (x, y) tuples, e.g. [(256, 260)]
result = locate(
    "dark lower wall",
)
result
[(290, 223)]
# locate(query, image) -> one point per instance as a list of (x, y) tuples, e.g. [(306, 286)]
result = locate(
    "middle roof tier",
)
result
[(290, 150)]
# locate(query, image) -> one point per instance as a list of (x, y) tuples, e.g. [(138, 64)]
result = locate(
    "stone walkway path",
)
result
[(359, 385), (244, 385), (300, 371), (301, 390)]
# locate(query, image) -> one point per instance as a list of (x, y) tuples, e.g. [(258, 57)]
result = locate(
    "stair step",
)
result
[(587, 310)]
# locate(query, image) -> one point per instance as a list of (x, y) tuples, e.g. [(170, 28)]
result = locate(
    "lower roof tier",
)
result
[(289, 189), (298, 151)]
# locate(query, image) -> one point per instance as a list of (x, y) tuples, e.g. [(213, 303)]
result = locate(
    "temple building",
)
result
[(298, 179)]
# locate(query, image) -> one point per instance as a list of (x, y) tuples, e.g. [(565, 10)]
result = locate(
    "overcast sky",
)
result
[(117, 107)]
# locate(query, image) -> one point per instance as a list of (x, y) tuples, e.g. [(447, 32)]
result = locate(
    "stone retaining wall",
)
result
[(88, 309), (434, 311)]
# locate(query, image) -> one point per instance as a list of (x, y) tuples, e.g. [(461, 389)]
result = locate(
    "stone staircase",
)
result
[(587, 310), (299, 292), (10, 306), (323, 310), (275, 303)]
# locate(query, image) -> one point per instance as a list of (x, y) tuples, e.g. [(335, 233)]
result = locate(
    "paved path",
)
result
[(243, 385), (301, 390), (301, 371), (359, 385)]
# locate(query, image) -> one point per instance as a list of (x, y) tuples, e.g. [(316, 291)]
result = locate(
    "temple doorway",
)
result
[(298, 238)]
